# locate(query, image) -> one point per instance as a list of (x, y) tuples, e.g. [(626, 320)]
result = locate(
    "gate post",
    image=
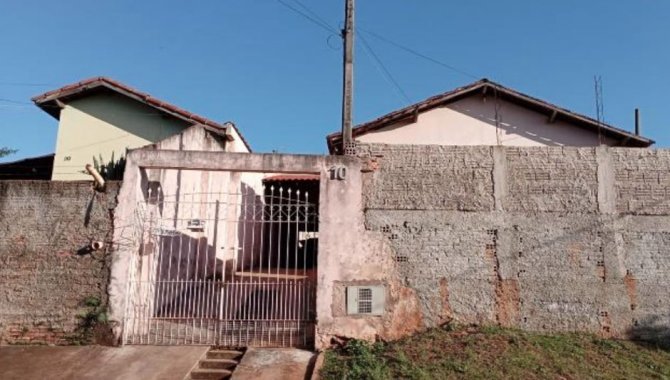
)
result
[(124, 245)]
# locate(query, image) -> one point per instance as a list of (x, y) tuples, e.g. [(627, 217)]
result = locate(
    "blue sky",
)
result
[(278, 76)]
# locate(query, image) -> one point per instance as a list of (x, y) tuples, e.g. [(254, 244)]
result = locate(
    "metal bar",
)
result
[(210, 227), (168, 283), (262, 231), (244, 209), (215, 241), (271, 293), (280, 293), (160, 297), (187, 301), (153, 274), (288, 231), (190, 274), (271, 226)]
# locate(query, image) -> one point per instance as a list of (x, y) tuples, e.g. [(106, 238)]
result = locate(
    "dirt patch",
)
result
[(631, 289), (507, 302), (446, 315), (406, 317), (507, 298)]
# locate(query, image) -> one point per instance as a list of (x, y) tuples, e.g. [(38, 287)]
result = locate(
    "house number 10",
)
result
[(338, 172)]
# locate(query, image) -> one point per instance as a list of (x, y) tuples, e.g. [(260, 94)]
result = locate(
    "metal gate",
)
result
[(232, 269)]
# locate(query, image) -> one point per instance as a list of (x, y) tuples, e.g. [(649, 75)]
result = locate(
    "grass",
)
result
[(496, 353)]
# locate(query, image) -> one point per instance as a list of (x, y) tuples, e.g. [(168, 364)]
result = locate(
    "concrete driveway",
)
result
[(96, 362), (275, 364)]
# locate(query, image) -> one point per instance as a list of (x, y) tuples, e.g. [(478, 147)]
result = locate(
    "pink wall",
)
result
[(471, 121)]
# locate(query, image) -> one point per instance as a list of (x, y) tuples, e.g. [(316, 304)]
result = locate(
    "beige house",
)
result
[(101, 117), (487, 113)]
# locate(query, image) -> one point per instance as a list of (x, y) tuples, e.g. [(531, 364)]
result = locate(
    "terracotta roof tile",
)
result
[(292, 177), (334, 140)]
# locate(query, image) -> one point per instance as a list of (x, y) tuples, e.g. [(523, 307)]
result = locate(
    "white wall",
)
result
[(237, 145), (198, 190), (471, 121), (102, 124)]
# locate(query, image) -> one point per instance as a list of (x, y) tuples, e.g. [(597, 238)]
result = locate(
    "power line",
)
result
[(315, 15), (22, 84), (384, 71), (386, 74), (315, 21), (418, 54), (318, 20), (13, 101)]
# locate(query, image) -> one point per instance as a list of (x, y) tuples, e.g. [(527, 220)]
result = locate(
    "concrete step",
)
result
[(224, 354), (218, 363), (210, 374)]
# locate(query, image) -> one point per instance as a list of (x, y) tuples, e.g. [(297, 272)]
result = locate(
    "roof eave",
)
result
[(52, 102), (627, 138)]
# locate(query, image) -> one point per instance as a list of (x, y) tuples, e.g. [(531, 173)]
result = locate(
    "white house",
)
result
[(487, 113)]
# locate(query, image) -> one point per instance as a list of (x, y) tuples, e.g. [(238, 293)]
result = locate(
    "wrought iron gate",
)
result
[(233, 269)]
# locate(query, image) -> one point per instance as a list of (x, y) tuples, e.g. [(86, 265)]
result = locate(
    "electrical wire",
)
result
[(315, 21), (379, 64), (383, 70), (12, 101), (20, 84), (418, 54), (315, 15)]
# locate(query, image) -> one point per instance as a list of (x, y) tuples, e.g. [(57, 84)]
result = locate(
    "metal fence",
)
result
[(234, 269)]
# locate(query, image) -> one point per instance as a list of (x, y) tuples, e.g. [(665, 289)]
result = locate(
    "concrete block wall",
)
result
[(542, 238), (450, 178), (45, 277)]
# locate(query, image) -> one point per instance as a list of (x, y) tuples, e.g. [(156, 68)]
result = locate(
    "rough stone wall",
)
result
[(642, 181), (46, 274), (545, 239), (450, 178)]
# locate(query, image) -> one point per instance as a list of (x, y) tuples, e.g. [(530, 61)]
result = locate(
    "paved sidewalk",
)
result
[(97, 362), (275, 364)]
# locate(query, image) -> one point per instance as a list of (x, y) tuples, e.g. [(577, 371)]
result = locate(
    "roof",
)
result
[(51, 101), (292, 177), (625, 138), (31, 168)]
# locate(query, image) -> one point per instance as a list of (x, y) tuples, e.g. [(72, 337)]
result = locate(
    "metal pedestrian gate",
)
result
[(232, 269)]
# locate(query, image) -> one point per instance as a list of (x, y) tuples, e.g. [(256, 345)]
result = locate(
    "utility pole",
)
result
[(348, 80)]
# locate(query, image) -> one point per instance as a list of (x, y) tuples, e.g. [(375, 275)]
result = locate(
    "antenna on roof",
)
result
[(637, 122), (598, 84)]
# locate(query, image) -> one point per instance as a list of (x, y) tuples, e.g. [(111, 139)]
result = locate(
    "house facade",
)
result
[(103, 118), (487, 113)]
